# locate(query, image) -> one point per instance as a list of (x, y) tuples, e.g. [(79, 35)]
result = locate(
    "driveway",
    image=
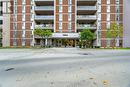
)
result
[(64, 67)]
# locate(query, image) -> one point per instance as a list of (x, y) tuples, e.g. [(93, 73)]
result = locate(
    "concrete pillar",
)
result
[(126, 23), (6, 23)]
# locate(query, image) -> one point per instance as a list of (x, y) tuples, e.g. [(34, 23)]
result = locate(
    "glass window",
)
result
[(60, 25), (108, 16), (60, 8), (60, 1), (14, 34), (23, 33), (108, 8), (99, 1), (117, 2), (69, 8), (108, 1), (108, 25), (117, 9), (23, 42), (60, 17), (69, 16), (69, 25), (69, 1), (14, 42)]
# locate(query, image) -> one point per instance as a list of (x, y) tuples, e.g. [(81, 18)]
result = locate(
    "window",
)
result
[(69, 2), (14, 42), (117, 2), (23, 25), (60, 1), (23, 42), (108, 1), (23, 1), (108, 16), (117, 17), (69, 25), (108, 8), (69, 9), (108, 25), (14, 34), (117, 9), (31, 34), (60, 17), (60, 8), (99, 1), (69, 16), (23, 33), (60, 25)]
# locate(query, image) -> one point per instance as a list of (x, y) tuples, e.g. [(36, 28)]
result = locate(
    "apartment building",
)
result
[(65, 18), (111, 11)]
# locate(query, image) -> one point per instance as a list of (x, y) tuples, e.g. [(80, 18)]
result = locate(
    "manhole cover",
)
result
[(9, 69)]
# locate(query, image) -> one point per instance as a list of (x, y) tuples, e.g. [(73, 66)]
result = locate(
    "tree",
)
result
[(43, 33), (87, 37), (115, 32)]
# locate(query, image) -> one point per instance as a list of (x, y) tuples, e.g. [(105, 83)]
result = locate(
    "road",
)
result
[(64, 67)]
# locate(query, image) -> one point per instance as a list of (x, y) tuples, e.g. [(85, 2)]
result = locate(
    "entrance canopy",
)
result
[(66, 35)]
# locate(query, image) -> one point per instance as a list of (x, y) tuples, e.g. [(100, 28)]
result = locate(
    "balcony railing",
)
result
[(85, 26), (44, 17), (43, 0), (87, 8), (87, 17), (87, 0), (45, 26), (46, 8)]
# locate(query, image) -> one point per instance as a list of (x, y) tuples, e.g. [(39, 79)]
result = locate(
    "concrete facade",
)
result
[(1, 22), (126, 22)]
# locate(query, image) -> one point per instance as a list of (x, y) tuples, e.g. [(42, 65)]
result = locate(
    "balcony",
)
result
[(45, 26), (88, 0), (44, 17), (44, 8), (87, 8), (86, 26), (43, 0), (86, 17)]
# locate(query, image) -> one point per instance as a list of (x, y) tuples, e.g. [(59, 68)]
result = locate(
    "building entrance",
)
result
[(64, 42), (58, 42)]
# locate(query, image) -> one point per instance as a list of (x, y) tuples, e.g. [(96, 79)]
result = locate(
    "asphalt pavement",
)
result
[(64, 67)]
